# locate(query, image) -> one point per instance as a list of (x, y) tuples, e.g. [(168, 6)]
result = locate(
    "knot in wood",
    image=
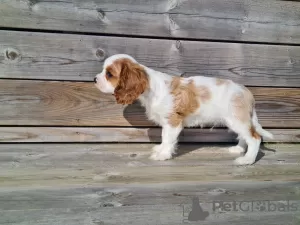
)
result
[(101, 13), (12, 55), (178, 45), (100, 54), (32, 2), (291, 62)]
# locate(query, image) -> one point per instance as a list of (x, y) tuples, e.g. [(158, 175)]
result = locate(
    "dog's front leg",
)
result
[(167, 148)]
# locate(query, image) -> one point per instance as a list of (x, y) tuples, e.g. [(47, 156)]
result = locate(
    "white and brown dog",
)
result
[(175, 102)]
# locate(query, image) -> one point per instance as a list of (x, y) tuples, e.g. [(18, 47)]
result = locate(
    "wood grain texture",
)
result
[(80, 57), (128, 135), (81, 104), (249, 20), (57, 165), (67, 184), (135, 204), (136, 215)]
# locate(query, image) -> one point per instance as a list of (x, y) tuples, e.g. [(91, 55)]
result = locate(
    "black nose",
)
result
[(95, 80)]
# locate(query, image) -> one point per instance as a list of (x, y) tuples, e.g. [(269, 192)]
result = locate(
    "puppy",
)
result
[(174, 103)]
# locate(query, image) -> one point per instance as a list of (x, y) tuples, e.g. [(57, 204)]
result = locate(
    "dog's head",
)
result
[(123, 77)]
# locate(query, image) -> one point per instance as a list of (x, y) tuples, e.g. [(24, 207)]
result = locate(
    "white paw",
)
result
[(243, 160), (157, 148), (161, 156), (236, 149)]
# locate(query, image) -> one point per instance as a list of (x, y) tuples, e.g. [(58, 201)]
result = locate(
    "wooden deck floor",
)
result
[(117, 184)]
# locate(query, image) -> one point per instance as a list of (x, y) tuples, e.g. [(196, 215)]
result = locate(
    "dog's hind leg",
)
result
[(247, 132), (239, 148)]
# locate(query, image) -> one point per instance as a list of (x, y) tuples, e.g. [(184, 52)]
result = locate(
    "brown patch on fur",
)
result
[(185, 100), (131, 82), (254, 134), (242, 104), (175, 83), (220, 81), (204, 93)]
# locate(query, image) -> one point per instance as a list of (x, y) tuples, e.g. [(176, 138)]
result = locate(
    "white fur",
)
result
[(159, 104)]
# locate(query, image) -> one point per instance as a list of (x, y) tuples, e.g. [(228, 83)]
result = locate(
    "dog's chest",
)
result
[(156, 112), (155, 115)]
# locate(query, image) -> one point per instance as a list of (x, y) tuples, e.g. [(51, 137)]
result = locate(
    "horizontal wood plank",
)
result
[(250, 20), (54, 103), (141, 194), (142, 135), (63, 165), (135, 204), (153, 214), (80, 57)]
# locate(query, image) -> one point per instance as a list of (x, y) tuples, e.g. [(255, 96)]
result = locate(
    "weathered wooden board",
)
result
[(137, 204), (153, 214), (63, 165), (128, 135), (81, 104), (80, 57), (117, 184), (249, 20), (139, 194)]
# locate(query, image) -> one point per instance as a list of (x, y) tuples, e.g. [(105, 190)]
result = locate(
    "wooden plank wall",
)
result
[(51, 50)]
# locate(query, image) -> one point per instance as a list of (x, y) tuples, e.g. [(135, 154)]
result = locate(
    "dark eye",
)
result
[(108, 74)]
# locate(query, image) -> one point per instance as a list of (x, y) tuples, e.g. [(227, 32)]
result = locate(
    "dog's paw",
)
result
[(157, 148), (236, 149), (161, 156), (243, 160)]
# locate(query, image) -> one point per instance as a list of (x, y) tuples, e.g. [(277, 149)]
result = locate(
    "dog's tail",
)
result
[(258, 127)]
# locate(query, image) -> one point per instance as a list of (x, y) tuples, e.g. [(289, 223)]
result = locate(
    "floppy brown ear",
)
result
[(132, 83)]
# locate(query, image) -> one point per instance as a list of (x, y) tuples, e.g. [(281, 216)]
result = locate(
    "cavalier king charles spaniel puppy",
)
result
[(174, 103)]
